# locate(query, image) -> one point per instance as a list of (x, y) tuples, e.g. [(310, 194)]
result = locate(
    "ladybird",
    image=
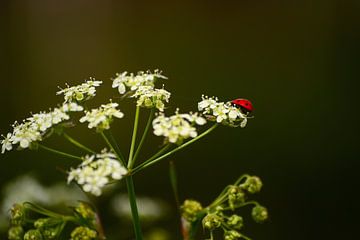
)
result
[(244, 104)]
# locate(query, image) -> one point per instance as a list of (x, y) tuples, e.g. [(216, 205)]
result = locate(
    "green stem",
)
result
[(151, 115), (59, 152), (133, 139), (241, 178), (111, 146), (76, 143), (115, 144), (134, 209), (242, 205), (150, 161)]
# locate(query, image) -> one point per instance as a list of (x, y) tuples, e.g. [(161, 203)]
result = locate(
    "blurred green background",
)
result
[(297, 61)]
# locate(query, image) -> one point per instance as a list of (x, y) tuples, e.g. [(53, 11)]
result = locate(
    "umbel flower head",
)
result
[(178, 127), (222, 112), (134, 81), (96, 171), (35, 127), (80, 92), (102, 117), (150, 97)]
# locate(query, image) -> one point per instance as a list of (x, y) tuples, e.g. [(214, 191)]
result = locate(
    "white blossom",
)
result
[(178, 127), (80, 92), (222, 112), (150, 97), (102, 117), (96, 171), (133, 82), (34, 128)]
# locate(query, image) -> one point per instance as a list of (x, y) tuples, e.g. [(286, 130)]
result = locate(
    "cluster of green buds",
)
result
[(32, 222), (221, 213)]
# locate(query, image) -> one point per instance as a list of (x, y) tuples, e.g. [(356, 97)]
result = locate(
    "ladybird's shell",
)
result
[(243, 103)]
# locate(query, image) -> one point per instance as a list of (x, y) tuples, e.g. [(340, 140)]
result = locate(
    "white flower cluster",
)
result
[(178, 127), (222, 112), (80, 92), (96, 171), (102, 117), (33, 128), (133, 82), (150, 97)]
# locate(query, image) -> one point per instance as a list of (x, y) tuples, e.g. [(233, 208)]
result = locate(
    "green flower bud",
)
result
[(235, 195), (235, 221), (148, 102), (33, 234), (211, 221), (46, 223), (16, 233), (83, 233), (50, 233), (85, 211), (259, 214), (18, 214), (232, 235), (190, 209), (252, 184), (79, 96)]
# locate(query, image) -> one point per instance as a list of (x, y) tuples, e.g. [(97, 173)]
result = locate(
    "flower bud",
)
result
[(211, 221), (33, 234), (18, 214), (232, 235), (16, 233), (190, 209), (235, 195), (83, 233), (235, 221), (259, 214), (252, 184), (85, 211)]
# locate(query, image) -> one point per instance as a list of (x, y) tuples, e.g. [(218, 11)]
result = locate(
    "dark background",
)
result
[(297, 61)]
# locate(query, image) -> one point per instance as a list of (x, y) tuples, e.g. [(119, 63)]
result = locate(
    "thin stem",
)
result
[(151, 115), (112, 148), (115, 144), (241, 178), (150, 162), (133, 139), (242, 205), (59, 152), (76, 143), (134, 210)]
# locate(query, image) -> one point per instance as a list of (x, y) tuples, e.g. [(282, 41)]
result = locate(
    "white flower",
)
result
[(178, 127), (96, 171), (6, 143), (102, 117), (80, 92), (133, 82), (35, 127), (224, 113), (149, 97)]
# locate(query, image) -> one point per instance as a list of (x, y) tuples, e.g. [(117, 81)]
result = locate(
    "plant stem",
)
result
[(59, 152), (151, 161), (133, 139), (115, 144), (76, 143), (134, 210), (118, 154), (151, 115)]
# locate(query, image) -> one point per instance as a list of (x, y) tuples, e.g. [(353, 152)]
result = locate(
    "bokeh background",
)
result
[(297, 61)]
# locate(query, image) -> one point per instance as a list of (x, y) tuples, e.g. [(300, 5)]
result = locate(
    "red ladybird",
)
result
[(244, 104)]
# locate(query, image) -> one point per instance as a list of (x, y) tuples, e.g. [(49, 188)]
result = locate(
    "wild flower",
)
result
[(80, 92), (102, 117), (96, 171), (149, 97), (222, 112), (134, 81), (178, 127), (33, 128)]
